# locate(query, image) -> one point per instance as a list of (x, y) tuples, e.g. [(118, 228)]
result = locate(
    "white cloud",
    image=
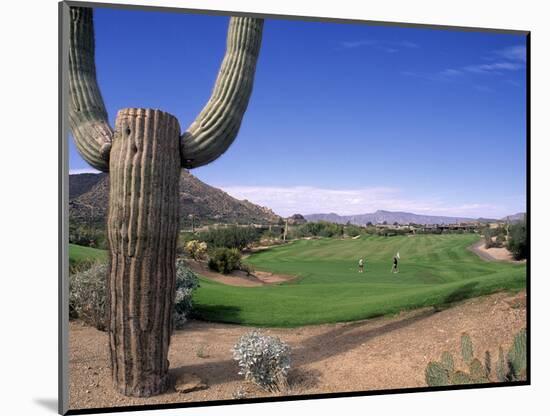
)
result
[(286, 201), (357, 43), (387, 46), (83, 170), (508, 59), (494, 67), (451, 72), (513, 53)]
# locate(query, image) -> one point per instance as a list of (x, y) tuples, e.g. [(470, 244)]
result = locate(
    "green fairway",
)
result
[(79, 254), (434, 270)]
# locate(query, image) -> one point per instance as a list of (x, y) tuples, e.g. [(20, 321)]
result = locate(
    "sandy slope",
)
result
[(374, 354), (493, 253), (238, 277)]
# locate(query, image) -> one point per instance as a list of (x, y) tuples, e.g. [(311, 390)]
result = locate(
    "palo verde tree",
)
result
[(143, 155)]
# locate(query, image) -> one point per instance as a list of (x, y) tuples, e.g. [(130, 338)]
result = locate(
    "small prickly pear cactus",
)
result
[(501, 367), (517, 356), (477, 371), (487, 363), (460, 377), (509, 368), (436, 374), (448, 361), (466, 348)]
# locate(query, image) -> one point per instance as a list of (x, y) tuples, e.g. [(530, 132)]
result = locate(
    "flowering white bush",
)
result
[(263, 360), (186, 282)]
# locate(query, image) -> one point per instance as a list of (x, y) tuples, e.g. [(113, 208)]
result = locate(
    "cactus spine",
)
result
[(144, 157)]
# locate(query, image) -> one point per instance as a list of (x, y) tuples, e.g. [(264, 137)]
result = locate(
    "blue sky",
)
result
[(344, 118)]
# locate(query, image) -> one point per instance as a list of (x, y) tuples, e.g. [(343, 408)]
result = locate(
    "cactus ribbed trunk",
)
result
[(142, 228)]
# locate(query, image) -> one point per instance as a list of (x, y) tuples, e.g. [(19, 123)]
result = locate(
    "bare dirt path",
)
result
[(494, 253), (238, 277), (382, 353)]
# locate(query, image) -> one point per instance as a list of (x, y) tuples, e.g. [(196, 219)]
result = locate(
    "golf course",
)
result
[(435, 270)]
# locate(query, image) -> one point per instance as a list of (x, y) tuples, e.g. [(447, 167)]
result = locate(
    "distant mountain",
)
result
[(390, 217), (89, 198), (514, 218), (81, 183)]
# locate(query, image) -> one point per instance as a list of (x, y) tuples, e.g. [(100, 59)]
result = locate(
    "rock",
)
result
[(187, 383)]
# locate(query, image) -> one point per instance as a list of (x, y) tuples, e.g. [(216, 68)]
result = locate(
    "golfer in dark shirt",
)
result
[(395, 267)]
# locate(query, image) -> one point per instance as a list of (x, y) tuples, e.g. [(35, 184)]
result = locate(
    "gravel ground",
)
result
[(382, 353)]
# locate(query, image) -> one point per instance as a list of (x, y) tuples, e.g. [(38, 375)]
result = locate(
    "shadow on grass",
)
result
[(217, 313), (463, 292)]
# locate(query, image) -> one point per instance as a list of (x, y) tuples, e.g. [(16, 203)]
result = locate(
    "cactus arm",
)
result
[(87, 114), (217, 125)]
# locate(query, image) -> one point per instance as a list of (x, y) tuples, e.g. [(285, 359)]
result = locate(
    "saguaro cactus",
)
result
[(144, 156)]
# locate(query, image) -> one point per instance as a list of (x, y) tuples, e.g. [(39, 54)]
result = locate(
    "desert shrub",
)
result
[(263, 360), (517, 243), (500, 240), (87, 295), (391, 232), (231, 237), (225, 260), (318, 229), (86, 235), (246, 268), (271, 234), (186, 282), (196, 249), (371, 229), (183, 238), (488, 236), (353, 230)]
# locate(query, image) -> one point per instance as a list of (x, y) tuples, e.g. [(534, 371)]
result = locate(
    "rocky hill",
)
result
[(515, 218), (89, 196)]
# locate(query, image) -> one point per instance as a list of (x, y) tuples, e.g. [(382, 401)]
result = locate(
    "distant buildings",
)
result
[(473, 226)]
